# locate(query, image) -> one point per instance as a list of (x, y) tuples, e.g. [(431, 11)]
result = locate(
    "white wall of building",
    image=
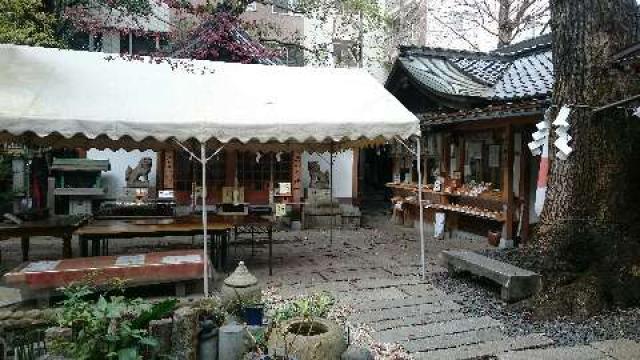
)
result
[(119, 160), (342, 171)]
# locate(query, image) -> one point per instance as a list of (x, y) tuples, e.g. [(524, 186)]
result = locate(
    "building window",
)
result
[(284, 7), (139, 45), (344, 53), (292, 55), (252, 6)]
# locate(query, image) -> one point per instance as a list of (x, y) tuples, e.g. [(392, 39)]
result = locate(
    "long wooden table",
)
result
[(99, 232), (56, 226)]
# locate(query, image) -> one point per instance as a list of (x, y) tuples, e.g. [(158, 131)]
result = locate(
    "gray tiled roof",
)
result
[(503, 76)]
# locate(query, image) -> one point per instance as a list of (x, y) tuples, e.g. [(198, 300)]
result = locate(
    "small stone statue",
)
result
[(138, 177), (318, 179)]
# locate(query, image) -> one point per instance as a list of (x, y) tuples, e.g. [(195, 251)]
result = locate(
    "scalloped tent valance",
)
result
[(70, 98)]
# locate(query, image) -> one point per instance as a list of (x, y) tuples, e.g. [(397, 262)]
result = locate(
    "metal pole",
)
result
[(203, 161), (331, 195), (420, 205)]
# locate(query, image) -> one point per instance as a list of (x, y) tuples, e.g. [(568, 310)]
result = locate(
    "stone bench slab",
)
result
[(517, 283)]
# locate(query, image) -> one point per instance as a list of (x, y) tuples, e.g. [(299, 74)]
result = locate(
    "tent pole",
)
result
[(203, 160), (419, 155), (331, 195)]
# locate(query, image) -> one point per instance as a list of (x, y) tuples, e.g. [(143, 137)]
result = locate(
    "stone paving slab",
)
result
[(622, 349), (355, 274), (435, 329), (486, 349), (417, 320), (404, 312), (418, 290), (382, 283), (447, 341), (361, 296), (434, 296), (582, 352)]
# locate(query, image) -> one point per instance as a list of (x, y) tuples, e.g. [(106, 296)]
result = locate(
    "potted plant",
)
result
[(253, 312), (301, 329), (211, 316)]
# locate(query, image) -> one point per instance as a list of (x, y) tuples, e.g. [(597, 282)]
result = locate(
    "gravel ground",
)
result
[(482, 298)]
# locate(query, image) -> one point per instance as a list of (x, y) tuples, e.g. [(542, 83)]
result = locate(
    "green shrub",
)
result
[(108, 328)]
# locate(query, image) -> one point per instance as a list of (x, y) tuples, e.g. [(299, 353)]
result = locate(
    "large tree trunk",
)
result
[(505, 25), (590, 222)]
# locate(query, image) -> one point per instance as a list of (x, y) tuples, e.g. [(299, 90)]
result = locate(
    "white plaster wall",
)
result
[(342, 171), (119, 160)]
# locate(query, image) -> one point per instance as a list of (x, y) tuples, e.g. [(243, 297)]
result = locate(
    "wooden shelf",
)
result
[(79, 191)]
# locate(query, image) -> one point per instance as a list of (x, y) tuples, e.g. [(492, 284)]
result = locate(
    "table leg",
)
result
[(253, 251), (24, 240), (66, 246), (223, 252), (270, 250), (84, 246)]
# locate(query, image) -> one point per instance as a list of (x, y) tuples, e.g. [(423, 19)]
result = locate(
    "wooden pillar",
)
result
[(461, 157), (446, 155), (160, 170), (169, 159), (355, 166), (230, 167), (296, 177), (508, 183), (525, 183)]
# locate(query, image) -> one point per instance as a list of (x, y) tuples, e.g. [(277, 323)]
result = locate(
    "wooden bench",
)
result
[(517, 283), (39, 279)]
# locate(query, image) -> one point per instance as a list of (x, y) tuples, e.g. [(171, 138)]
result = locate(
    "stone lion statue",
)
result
[(139, 175), (318, 179)]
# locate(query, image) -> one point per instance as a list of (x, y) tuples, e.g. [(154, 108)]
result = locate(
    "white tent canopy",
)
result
[(81, 99), (84, 95)]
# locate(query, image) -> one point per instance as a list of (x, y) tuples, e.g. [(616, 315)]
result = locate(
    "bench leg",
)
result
[(66, 247), (24, 241)]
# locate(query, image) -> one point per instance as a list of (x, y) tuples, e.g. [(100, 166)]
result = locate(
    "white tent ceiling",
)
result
[(64, 98)]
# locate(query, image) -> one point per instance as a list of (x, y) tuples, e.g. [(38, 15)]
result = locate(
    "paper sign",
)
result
[(184, 259), (285, 188), (130, 260), (39, 266), (563, 146), (281, 210), (563, 115)]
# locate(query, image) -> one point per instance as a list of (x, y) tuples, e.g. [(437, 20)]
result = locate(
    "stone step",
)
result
[(486, 349), (447, 341), (418, 320), (404, 312), (435, 329), (581, 352)]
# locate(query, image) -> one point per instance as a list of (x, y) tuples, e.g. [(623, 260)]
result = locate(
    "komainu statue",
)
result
[(138, 177), (318, 179)]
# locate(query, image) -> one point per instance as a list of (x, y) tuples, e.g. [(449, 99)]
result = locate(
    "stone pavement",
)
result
[(375, 271)]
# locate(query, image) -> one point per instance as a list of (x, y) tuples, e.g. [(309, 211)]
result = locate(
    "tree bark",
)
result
[(591, 215), (505, 25)]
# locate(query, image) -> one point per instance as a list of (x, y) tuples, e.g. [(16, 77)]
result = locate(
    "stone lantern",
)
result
[(241, 287)]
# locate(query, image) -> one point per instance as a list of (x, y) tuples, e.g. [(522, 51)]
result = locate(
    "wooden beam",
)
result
[(525, 181), (508, 182)]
